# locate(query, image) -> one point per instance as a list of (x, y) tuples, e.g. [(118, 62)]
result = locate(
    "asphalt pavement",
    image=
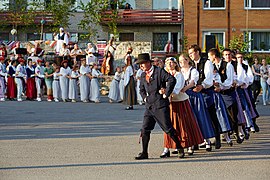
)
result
[(81, 141)]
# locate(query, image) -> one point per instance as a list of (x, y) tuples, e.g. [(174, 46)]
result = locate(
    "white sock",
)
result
[(166, 150)]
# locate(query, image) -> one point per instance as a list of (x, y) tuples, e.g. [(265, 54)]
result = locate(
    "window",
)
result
[(126, 37), (33, 36), (159, 41), (214, 4), (257, 4), (167, 4), (260, 41), (73, 37), (220, 37), (4, 36), (48, 36), (3, 4)]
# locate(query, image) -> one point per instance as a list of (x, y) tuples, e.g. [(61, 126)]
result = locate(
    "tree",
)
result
[(95, 11)]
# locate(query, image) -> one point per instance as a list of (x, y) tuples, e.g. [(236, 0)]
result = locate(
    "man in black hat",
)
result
[(154, 80)]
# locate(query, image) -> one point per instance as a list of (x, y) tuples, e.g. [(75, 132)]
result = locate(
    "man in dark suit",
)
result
[(155, 87)]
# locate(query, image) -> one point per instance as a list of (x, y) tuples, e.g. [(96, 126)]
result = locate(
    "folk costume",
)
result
[(114, 93), (84, 82), (56, 86), (11, 85), (39, 71), (31, 90), (130, 96), (156, 104), (64, 81), (73, 88), (3, 76), (95, 87)]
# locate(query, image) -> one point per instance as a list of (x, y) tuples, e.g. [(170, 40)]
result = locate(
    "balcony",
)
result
[(129, 17), (10, 18)]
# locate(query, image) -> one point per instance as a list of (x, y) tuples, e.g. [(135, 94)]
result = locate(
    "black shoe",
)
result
[(129, 108), (247, 136), (256, 127), (175, 152), (164, 155), (230, 143), (209, 149), (190, 152), (181, 153), (142, 156), (217, 145), (239, 140)]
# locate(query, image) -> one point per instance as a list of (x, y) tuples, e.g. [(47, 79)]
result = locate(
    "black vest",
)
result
[(245, 67), (200, 69), (222, 70), (61, 37)]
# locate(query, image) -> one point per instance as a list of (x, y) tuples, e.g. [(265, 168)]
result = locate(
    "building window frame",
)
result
[(126, 36), (248, 5), (212, 33), (207, 6), (258, 48)]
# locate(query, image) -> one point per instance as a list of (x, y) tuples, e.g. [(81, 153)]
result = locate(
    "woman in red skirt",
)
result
[(11, 86), (31, 91), (182, 116)]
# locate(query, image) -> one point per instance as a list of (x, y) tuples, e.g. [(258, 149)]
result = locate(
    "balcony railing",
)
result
[(9, 18), (145, 17)]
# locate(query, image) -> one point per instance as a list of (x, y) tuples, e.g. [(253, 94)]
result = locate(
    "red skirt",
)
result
[(185, 124), (11, 88), (31, 91)]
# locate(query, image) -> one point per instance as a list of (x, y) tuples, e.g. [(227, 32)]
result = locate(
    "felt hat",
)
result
[(142, 58)]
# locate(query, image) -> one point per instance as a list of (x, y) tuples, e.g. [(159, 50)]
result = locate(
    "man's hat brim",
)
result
[(141, 61)]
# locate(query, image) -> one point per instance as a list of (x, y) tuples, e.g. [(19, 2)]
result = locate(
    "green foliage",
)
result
[(240, 43)]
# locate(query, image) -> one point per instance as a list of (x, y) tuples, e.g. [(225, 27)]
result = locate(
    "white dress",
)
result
[(39, 70), (56, 86), (138, 75), (114, 93), (94, 87), (90, 58), (64, 81), (73, 89), (84, 82), (121, 86)]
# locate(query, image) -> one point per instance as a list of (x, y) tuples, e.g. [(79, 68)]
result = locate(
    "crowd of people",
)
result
[(198, 99), (192, 98)]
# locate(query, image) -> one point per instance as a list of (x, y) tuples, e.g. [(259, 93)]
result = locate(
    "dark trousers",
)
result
[(162, 117), (233, 112), (212, 112), (256, 87)]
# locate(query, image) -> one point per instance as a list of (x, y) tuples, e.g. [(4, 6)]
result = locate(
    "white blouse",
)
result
[(128, 73)]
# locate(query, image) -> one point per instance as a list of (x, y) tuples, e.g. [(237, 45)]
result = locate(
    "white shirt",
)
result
[(39, 71), (192, 74), (20, 71), (227, 84), (180, 83), (208, 72), (117, 76), (64, 71), (84, 70), (128, 73)]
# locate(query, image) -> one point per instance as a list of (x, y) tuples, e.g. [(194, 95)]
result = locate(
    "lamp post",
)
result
[(42, 22), (13, 33)]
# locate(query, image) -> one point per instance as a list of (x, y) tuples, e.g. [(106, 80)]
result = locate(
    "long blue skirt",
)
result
[(245, 106), (222, 114), (198, 105)]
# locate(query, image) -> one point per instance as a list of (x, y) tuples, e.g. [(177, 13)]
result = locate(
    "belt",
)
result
[(2, 76), (74, 78), (117, 80), (56, 79)]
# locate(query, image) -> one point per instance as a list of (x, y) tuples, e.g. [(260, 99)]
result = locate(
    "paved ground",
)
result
[(73, 141)]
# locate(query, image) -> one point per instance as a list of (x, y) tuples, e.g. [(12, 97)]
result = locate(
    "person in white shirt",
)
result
[(3, 76), (75, 52), (61, 37), (65, 71), (205, 86), (39, 71), (95, 87), (73, 88), (168, 47), (114, 94), (84, 80), (20, 77), (130, 96), (56, 84), (181, 113), (90, 50)]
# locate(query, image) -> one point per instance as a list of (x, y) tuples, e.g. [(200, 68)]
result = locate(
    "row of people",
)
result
[(204, 101)]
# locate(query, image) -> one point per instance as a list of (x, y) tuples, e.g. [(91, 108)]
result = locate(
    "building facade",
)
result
[(226, 19)]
